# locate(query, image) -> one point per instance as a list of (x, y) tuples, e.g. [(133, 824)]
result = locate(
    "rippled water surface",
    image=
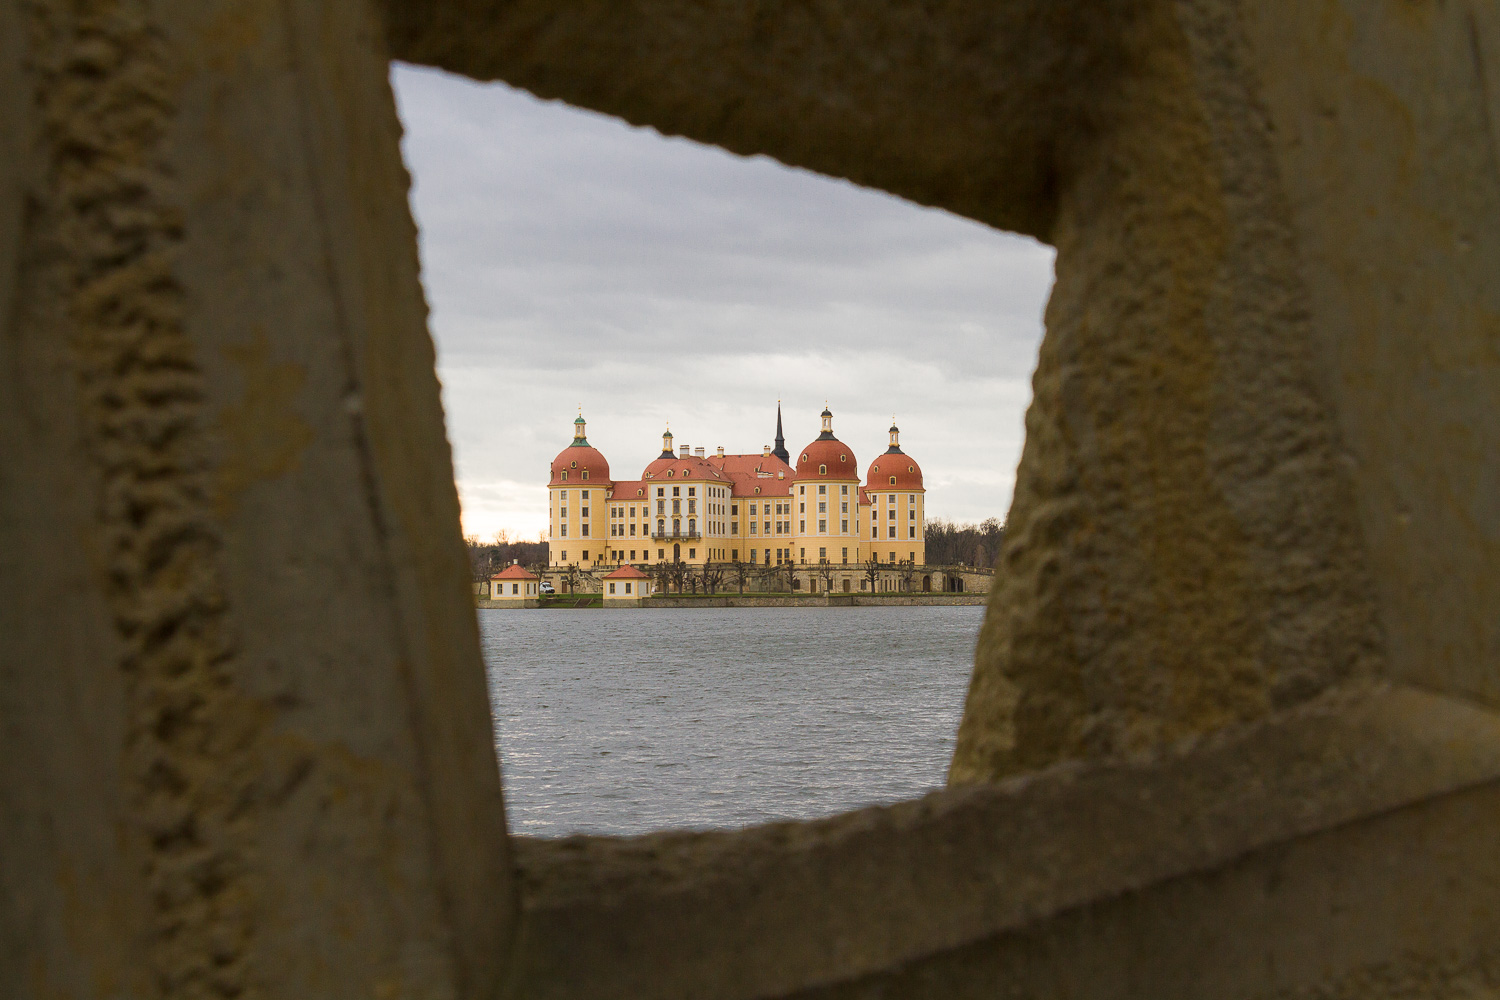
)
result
[(624, 721)]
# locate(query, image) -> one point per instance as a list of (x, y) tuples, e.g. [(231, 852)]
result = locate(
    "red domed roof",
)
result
[(894, 465), (576, 459), (829, 454)]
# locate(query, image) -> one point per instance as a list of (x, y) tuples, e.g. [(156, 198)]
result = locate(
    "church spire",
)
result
[(780, 450)]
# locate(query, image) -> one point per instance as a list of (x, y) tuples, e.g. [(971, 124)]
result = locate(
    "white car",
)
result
[(546, 588)]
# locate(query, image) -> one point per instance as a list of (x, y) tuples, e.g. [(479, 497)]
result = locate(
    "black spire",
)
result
[(780, 450)]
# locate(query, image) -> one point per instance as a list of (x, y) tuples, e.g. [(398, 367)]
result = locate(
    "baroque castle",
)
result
[(754, 508)]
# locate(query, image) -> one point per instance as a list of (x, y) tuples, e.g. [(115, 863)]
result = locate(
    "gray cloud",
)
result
[(571, 259)]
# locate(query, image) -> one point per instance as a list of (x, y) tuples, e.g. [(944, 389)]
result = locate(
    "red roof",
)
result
[(894, 463), (634, 489), (831, 454), (514, 572), (749, 473), (576, 459), (679, 469), (626, 572)]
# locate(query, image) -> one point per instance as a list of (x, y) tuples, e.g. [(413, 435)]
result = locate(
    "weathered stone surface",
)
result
[(247, 749), (246, 746), (901, 900)]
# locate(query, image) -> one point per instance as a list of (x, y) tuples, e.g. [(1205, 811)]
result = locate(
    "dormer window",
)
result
[(822, 470), (565, 475), (585, 473), (893, 480)]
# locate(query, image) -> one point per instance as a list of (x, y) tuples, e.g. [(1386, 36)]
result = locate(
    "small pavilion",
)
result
[(626, 587), (514, 587)]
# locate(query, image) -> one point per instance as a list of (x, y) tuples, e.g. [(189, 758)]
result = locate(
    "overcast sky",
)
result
[(572, 260)]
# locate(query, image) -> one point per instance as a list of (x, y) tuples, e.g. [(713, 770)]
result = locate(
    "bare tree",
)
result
[(570, 578), (907, 570), (740, 571), (713, 577), (872, 572), (825, 573)]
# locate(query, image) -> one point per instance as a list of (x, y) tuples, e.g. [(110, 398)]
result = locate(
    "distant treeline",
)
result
[(950, 544), (488, 558)]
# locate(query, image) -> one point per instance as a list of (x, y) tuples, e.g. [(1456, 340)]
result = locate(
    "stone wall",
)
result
[(1233, 725)]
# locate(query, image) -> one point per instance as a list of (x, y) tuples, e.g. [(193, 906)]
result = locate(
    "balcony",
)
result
[(675, 535)]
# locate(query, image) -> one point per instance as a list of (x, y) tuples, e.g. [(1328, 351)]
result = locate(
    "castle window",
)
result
[(843, 458), (585, 555), (802, 489), (565, 475), (632, 535), (565, 535), (823, 527), (911, 514), (632, 512), (893, 480), (585, 473), (585, 534), (752, 510), (692, 491), (565, 556), (892, 532), (822, 555), (822, 470), (844, 527), (627, 588), (611, 588), (585, 510), (585, 496), (846, 555), (562, 494), (575, 465), (844, 490), (912, 532), (677, 491), (891, 514), (661, 491)]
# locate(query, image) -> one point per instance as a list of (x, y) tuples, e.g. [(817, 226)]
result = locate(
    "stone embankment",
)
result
[(789, 601)]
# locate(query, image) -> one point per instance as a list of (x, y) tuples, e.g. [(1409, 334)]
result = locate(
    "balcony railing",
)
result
[(667, 535)]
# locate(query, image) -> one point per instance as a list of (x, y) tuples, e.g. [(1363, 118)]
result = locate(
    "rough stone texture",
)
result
[(247, 745), (925, 898), (241, 700)]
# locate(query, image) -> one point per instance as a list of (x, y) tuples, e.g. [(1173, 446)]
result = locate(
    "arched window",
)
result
[(661, 528), (585, 473), (692, 526), (822, 470)]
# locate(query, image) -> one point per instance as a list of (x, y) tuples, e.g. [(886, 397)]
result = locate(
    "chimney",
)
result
[(685, 451), (698, 452), (721, 451), (765, 450)]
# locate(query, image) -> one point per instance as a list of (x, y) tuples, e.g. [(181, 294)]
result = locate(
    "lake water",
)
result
[(624, 721)]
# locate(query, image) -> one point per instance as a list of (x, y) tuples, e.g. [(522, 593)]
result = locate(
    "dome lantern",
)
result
[(579, 437), (827, 434), (666, 444), (895, 447)]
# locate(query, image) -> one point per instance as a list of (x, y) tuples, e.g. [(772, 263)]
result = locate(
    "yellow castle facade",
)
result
[(761, 509)]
